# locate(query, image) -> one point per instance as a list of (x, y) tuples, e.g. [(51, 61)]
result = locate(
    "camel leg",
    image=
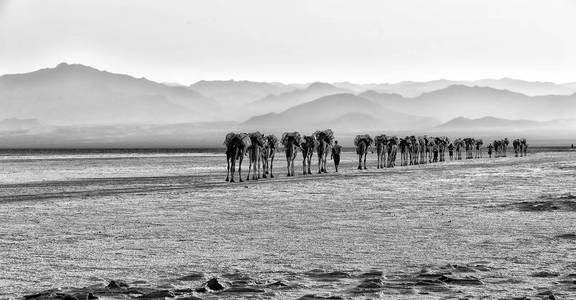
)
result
[(228, 168), (304, 166), (271, 166), (309, 163), (256, 174), (240, 167), (319, 164), (249, 167), (365, 154), (232, 169), (260, 167)]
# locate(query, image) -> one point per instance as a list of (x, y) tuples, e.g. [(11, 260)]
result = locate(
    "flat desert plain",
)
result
[(164, 224)]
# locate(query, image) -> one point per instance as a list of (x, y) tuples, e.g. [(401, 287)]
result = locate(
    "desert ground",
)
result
[(121, 225)]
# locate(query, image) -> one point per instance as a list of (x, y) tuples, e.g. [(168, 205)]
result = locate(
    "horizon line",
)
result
[(286, 82)]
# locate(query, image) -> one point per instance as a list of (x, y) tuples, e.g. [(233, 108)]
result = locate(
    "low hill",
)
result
[(278, 103), (487, 123), (477, 102), (340, 111)]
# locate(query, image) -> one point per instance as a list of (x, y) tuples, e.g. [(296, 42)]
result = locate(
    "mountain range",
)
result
[(411, 89), (79, 95), (70, 99), (343, 111)]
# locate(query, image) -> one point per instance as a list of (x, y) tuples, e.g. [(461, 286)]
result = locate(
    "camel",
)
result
[(445, 141), (362, 143), (504, 146), (413, 146), (236, 146), (468, 143), (291, 142), (458, 143), (308, 145), (403, 145), (519, 146), (268, 152), (429, 149), (500, 147), (392, 150), (478, 147), (324, 139), (496, 145), (381, 142), (254, 154), (524, 146), (516, 146), (422, 141)]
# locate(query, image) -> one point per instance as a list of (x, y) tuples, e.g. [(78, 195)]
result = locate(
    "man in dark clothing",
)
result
[(451, 151), (490, 147), (336, 150)]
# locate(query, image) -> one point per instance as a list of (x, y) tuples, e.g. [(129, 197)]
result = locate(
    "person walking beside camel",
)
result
[(490, 150), (336, 150)]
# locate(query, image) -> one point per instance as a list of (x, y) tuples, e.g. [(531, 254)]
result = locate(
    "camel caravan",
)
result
[(414, 150)]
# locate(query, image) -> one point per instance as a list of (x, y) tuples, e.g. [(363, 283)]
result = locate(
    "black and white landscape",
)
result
[(188, 149)]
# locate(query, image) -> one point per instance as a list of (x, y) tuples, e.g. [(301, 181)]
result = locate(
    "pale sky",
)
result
[(295, 40)]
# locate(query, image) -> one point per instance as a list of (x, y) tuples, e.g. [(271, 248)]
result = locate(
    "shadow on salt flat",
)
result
[(546, 203)]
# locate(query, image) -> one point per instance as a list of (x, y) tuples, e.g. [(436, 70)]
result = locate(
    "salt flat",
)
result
[(486, 227)]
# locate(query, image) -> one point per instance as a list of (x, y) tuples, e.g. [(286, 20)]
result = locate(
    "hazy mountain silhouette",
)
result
[(529, 88), (77, 94), (340, 111), (19, 125), (570, 85), (461, 123), (79, 105), (415, 89), (277, 103), (239, 92), (477, 102)]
